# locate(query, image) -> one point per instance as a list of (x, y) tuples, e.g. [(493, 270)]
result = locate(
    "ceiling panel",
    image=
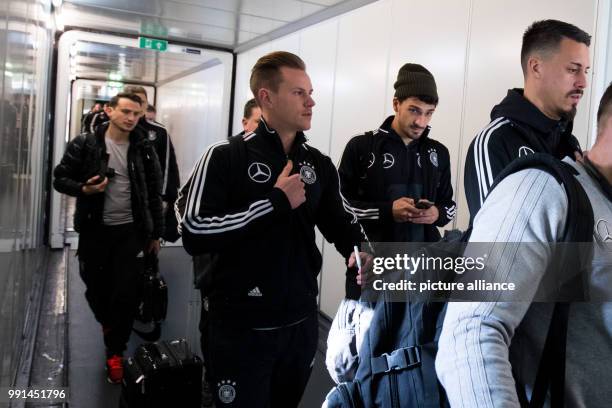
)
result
[(109, 62), (222, 23)]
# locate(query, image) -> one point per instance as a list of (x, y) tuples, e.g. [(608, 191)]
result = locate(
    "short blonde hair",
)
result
[(266, 71)]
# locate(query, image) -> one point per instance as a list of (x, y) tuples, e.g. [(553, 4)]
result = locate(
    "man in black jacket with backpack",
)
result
[(254, 201), (114, 174), (398, 181), (522, 349), (538, 118), (396, 178)]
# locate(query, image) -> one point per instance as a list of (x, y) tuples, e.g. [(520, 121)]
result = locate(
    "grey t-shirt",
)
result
[(117, 195)]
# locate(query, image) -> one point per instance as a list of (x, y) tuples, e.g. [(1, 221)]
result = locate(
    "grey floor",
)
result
[(88, 387)]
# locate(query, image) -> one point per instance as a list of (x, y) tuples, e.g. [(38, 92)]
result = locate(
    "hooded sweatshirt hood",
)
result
[(523, 113)]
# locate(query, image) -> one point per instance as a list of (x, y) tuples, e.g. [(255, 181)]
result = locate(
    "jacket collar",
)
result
[(387, 130), (270, 133), (516, 107)]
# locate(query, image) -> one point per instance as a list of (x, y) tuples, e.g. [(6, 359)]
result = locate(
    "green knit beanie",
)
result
[(415, 80)]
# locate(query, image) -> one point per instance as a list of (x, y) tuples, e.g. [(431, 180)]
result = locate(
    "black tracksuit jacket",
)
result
[(84, 159), (97, 119), (158, 136), (160, 139), (517, 128), (268, 261), (377, 168), (86, 121)]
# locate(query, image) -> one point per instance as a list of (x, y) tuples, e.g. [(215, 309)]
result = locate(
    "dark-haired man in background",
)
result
[(98, 118), (160, 139), (555, 63), (88, 117), (251, 116), (114, 174), (151, 113)]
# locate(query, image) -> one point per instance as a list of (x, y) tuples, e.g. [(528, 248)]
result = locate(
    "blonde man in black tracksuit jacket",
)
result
[(538, 119), (385, 173), (257, 211)]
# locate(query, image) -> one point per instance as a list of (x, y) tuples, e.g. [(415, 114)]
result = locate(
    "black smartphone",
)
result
[(423, 205), (105, 171)]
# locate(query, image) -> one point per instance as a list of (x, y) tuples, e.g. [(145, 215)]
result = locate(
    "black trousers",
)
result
[(261, 368), (113, 278), (203, 326)]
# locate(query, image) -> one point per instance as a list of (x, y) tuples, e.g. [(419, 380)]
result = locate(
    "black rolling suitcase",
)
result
[(160, 374)]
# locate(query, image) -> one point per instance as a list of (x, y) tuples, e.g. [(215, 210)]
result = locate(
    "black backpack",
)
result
[(397, 358)]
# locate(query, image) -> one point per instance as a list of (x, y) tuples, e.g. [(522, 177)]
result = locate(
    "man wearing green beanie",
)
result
[(398, 182), (396, 178)]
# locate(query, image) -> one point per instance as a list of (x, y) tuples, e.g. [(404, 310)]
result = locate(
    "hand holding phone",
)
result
[(95, 184), (423, 204)]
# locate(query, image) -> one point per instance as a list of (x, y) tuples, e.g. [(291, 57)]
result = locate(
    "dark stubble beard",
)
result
[(568, 115)]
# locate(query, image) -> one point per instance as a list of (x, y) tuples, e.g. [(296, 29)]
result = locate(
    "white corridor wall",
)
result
[(471, 46), (195, 111)]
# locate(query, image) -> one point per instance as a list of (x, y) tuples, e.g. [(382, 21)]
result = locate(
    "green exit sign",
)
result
[(153, 44)]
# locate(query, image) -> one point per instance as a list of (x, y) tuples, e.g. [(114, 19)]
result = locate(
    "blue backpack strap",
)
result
[(578, 228), (579, 206), (579, 223), (400, 359)]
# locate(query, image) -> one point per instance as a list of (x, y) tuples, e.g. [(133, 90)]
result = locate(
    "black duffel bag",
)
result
[(153, 304)]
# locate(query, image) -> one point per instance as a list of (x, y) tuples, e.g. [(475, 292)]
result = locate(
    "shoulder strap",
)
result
[(366, 148), (578, 225), (578, 228), (238, 166), (579, 206)]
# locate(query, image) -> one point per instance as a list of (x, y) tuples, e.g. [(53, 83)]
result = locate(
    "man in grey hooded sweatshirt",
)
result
[(474, 361)]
